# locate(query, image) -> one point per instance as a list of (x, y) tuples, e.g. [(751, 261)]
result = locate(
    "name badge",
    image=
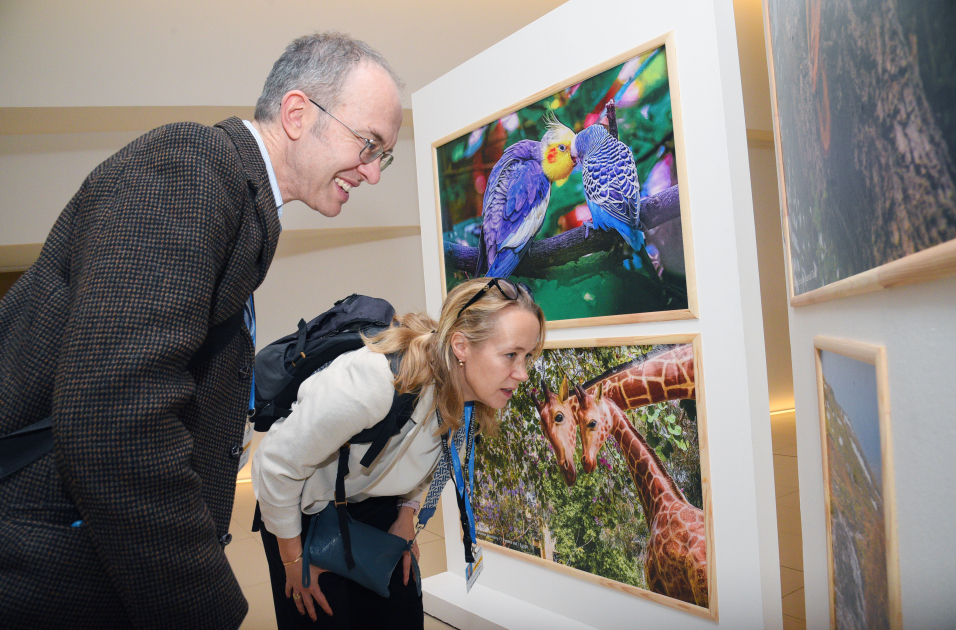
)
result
[(473, 569)]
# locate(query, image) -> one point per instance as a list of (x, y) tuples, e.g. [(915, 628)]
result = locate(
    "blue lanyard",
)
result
[(249, 315), (460, 488)]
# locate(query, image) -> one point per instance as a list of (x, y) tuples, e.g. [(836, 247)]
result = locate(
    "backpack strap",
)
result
[(391, 425), (217, 338), (341, 504), (25, 446), (398, 415)]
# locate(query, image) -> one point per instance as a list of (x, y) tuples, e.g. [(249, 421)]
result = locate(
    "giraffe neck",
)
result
[(669, 376), (655, 487)]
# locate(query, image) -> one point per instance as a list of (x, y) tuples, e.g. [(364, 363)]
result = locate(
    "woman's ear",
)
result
[(460, 345)]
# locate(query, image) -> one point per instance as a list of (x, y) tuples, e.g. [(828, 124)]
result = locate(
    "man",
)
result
[(123, 522)]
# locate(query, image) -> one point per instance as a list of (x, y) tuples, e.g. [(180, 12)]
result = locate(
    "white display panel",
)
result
[(570, 40)]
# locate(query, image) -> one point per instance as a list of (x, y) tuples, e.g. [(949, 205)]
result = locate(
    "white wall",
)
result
[(719, 195), (181, 52), (40, 173), (311, 272), (917, 325), (773, 287)]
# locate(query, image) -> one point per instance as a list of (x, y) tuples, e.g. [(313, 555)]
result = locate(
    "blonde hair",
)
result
[(428, 354)]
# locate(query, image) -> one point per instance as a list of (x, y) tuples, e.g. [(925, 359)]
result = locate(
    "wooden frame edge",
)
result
[(668, 40), (930, 264), (657, 598), (711, 612), (683, 181), (630, 318), (778, 151), (876, 356), (822, 422)]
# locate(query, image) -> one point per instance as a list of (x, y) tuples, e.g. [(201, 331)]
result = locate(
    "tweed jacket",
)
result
[(123, 523)]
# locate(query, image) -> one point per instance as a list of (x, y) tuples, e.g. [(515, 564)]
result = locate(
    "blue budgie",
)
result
[(610, 183)]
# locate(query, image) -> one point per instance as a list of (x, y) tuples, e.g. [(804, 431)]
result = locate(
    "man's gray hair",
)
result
[(319, 65)]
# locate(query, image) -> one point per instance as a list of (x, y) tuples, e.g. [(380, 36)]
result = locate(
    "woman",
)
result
[(478, 352)]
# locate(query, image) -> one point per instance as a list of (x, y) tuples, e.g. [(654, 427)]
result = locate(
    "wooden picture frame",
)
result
[(668, 206), (858, 377), (525, 442), (860, 229)]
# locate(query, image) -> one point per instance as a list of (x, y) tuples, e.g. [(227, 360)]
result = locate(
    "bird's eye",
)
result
[(562, 147)]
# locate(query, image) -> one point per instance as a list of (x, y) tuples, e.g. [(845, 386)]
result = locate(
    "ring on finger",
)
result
[(296, 596)]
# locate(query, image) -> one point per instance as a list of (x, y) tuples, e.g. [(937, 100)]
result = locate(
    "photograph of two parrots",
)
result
[(576, 195), (519, 189)]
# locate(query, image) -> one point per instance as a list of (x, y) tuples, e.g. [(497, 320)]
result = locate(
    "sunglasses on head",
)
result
[(508, 289)]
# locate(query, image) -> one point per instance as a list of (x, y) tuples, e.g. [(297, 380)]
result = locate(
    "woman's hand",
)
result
[(290, 549), (404, 526)]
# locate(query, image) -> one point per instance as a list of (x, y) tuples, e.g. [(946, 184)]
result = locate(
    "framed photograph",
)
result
[(862, 552), (578, 192), (600, 470), (865, 131)]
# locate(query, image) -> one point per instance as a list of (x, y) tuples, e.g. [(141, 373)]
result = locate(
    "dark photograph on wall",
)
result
[(865, 110)]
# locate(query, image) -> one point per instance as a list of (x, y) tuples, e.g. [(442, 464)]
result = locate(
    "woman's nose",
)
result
[(521, 374)]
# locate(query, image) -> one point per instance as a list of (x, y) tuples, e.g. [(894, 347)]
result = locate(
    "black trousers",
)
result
[(353, 606)]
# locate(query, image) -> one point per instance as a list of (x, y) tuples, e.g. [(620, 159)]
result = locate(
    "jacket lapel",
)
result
[(259, 187)]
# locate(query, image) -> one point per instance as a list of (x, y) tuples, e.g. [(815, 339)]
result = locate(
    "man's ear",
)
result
[(292, 113), (460, 345)]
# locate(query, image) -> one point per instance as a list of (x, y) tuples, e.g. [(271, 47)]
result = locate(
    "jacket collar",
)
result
[(258, 181)]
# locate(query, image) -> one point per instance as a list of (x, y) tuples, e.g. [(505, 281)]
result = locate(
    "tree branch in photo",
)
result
[(573, 245)]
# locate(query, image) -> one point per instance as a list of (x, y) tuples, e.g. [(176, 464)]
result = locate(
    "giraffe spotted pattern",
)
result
[(675, 563)]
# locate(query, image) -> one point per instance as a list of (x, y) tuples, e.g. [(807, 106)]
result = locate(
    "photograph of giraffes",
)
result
[(577, 196), (597, 468)]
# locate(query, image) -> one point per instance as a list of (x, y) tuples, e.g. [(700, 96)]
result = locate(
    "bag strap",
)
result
[(398, 415), (300, 341), (306, 551), (25, 446), (341, 504), (217, 338)]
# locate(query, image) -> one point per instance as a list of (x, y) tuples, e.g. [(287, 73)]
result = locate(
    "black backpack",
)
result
[(283, 365)]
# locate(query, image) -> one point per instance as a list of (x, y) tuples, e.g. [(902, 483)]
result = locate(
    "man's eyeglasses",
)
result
[(508, 289), (372, 149)]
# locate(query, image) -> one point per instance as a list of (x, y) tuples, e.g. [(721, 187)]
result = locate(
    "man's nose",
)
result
[(372, 171)]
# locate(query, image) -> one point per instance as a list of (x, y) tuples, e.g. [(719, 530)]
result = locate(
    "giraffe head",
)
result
[(557, 423), (594, 416)]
